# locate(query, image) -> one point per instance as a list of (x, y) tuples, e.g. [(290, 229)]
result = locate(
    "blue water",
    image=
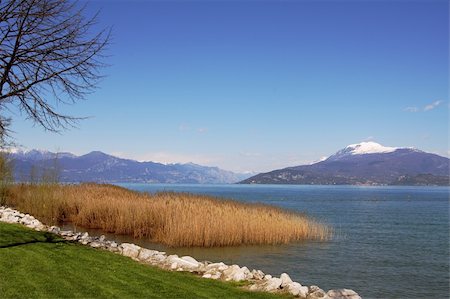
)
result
[(390, 242)]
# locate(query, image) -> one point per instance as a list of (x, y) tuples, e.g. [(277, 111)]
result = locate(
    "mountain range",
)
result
[(366, 163), (97, 166)]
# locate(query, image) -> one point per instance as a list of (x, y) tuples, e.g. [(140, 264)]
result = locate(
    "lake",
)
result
[(389, 242)]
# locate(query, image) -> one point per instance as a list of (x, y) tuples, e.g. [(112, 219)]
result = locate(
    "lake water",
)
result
[(390, 242)]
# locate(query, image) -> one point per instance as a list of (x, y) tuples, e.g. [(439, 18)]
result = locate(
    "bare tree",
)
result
[(48, 55)]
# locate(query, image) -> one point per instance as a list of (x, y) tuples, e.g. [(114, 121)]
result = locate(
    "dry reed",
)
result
[(174, 219)]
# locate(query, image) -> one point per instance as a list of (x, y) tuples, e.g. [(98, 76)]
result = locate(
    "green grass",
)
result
[(41, 265)]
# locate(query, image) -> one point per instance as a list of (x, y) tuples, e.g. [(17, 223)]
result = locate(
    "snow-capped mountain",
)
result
[(97, 166), (366, 163), (362, 149), (36, 154)]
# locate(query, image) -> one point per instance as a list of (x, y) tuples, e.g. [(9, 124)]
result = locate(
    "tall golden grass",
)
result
[(174, 219)]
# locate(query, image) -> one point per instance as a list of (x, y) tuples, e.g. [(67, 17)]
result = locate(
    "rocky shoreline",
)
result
[(257, 280)]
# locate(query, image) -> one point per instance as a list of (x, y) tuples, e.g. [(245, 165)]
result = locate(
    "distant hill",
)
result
[(100, 167), (366, 163)]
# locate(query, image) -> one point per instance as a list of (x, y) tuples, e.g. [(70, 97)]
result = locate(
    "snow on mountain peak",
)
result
[(369, 147)]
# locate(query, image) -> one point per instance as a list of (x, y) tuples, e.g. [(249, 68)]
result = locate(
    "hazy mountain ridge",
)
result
[(97, 166), (367, 163)]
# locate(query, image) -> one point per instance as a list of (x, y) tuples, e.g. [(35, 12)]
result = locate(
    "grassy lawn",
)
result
[(41, 265)]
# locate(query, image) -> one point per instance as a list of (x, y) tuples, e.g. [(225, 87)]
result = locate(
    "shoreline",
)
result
[(256, 279)]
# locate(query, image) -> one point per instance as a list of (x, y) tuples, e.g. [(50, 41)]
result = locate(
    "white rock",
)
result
[(146, 254), (285, 280), (228, 273), (316, 293), (213, 275), (297, 290), (272, 284), (267, 277), (10, 218), (158, 259), (75, 237), (27, 220), (258, 274), (54, 229), (183, 263), (343, 294), (96, 244), (293, 288), (190, 259), (66, 233), (242, 274), (216, 266), (239, 275), (303, 292), (130, 250), (171, 258), (235, 273), (36, 225)]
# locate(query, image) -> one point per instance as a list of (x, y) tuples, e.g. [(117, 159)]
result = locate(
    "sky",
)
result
[(252, 86)]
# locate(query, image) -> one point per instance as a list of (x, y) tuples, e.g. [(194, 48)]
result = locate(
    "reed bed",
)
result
[(174, 219)]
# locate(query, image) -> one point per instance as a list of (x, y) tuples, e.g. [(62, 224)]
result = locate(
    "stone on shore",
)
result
[(54, 230), (96, 244), (343, 294), (236, 273), (285, 280), (316, 293), (216, 266), (273, 284), (258, 274), (146, 254), (296, 289), (187, 263), (130, 250), (189, 259)]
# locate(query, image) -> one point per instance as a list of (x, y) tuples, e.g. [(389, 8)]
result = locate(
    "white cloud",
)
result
[(411, 109), (428, 107), (432, 105), (184, 127), (202, 130)]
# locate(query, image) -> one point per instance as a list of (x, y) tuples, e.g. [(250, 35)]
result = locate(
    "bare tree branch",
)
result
[(48, 55)]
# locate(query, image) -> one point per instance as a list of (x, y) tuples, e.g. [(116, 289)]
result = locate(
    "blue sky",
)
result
[(259, 85)]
